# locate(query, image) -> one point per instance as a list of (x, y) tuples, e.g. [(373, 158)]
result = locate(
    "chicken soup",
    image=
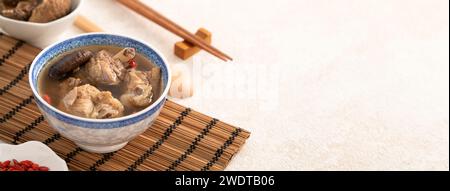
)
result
[(100, 82)]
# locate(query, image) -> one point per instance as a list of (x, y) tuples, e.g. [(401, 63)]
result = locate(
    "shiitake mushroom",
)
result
[(11, 3), (63, 67)]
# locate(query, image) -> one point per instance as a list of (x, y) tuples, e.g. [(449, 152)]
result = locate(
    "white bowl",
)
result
[(40, 34), (34, 151), (99, 135)]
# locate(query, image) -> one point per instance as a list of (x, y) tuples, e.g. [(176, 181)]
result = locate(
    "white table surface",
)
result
[(322, 85)]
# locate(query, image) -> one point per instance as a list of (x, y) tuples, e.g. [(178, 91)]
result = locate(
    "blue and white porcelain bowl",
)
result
[(99, 135)]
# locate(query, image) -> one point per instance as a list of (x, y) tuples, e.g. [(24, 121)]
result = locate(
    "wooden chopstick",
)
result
[(164, 22), (86, 25)]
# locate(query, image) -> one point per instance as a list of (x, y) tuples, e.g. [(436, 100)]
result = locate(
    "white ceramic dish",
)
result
[(40, 34), (34, 151)]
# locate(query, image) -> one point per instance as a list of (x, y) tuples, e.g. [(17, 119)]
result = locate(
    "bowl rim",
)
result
[(74, 12), (161, 98)]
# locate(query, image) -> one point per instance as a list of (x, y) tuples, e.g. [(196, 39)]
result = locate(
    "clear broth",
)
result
[(50, 87)]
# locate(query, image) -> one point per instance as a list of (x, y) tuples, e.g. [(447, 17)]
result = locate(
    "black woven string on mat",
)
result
[(220, 151), (28, 128), (193, 145), (102, 161), (52, 139), (22, 73), (72, 154), (165, 136), (25, 102), (11, 52), (16, 109), (16, 80)]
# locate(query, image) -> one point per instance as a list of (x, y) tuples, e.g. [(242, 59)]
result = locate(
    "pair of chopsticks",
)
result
[(164, 22)]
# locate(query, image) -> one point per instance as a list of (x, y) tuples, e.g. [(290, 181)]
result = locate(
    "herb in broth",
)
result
[(109, 84)]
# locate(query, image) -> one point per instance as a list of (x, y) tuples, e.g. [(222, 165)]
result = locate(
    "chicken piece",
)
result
[(103, 69), (125, 55), (79, 101), (50, 10), (138, 90), (89, 102), (68, 84), (106, 106), (22, 11)]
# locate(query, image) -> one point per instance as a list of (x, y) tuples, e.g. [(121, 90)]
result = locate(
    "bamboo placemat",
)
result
[(180, 139)]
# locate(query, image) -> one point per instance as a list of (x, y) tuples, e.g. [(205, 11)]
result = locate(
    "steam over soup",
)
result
[(100, 82)]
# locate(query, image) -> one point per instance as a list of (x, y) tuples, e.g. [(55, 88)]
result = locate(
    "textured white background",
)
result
[(321, 84)]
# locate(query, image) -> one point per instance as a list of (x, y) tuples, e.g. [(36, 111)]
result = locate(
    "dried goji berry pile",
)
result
[(26, 165)]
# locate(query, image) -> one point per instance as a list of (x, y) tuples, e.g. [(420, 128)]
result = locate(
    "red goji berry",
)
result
[(47, 99), (35, 166), (43, 168), (6, 163), (132, 64), (25, 165)]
